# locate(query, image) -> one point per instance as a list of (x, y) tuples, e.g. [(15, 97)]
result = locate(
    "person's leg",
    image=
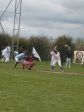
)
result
[(66, 63), (52, 67), (59, 63), (31, 64), (24, 64), (53, 63), (16, 62), (69, 63), (7, 57), (3, 58)]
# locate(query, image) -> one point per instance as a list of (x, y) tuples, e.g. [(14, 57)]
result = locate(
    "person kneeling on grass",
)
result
[(28, 62)]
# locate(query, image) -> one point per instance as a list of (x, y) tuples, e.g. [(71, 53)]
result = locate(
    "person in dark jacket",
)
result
[(68, 59)]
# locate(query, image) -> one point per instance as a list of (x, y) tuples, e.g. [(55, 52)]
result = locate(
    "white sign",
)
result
[(79, 57)]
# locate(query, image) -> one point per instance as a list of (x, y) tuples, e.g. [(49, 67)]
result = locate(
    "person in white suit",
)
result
[(3, 55), (8, 51), (6, 54), (55, 58)]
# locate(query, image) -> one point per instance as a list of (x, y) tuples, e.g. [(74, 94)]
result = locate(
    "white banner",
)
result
[(79, 57), (34, 52)]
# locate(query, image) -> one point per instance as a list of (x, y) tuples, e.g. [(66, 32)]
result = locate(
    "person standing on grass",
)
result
[(6, 54), (3, 54), (55, 58), (68, 57)]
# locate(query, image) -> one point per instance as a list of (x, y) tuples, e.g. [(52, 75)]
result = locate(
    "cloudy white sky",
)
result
[(50, 18)]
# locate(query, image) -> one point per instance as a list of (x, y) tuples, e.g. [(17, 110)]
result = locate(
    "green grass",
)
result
[(37, 91)]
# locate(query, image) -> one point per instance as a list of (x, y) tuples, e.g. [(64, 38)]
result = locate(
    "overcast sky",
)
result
[(50, 18)]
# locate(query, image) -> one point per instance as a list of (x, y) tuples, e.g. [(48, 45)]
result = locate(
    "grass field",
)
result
[(41, 90)]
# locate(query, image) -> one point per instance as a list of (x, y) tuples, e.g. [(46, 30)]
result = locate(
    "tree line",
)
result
[(43, 44)]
